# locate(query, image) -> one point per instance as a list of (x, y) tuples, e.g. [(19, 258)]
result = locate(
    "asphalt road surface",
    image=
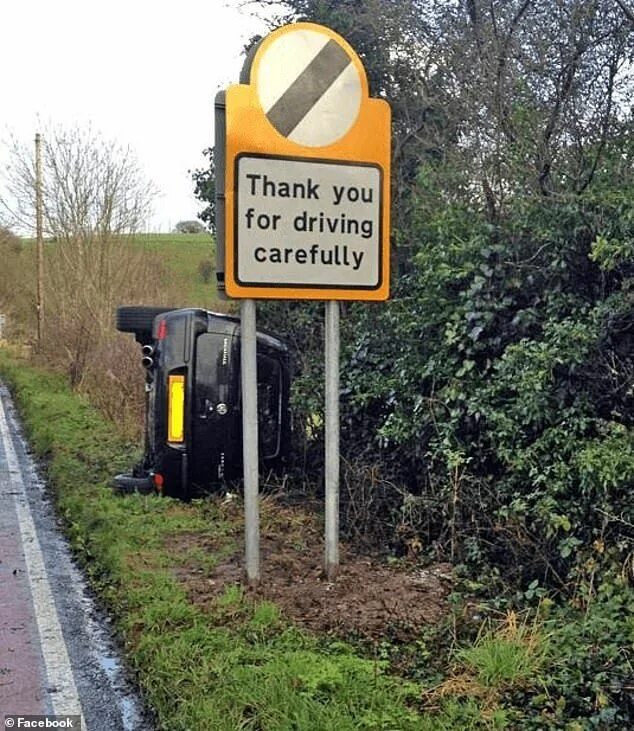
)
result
[(57, 655)]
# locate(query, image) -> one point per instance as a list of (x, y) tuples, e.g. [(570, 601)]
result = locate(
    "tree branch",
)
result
[(629, 13)]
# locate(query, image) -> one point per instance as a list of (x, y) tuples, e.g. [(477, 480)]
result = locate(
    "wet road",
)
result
[(57, 655)]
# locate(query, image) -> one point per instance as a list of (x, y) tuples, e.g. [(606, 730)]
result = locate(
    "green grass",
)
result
[(237, 664), (505, 656), (180, 255), (240, 666)]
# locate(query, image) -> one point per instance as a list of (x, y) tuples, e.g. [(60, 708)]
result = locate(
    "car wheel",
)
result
[(139, 320), (127, 485)]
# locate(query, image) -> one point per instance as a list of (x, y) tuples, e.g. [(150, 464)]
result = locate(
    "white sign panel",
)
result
[(307, 223), (308, 87)]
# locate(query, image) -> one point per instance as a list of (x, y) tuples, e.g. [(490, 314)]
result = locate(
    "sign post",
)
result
[(304, 189), (332, 439), (248, 366)]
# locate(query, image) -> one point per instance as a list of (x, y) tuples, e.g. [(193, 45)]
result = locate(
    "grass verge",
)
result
[(197, 670)]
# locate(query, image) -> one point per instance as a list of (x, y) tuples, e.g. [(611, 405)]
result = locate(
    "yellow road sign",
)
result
[(307, 173)]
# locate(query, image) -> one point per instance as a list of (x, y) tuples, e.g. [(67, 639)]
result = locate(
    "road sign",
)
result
[(307, 223), (307, 172)]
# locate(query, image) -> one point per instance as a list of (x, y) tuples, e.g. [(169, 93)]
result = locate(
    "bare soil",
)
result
[(369, 598)]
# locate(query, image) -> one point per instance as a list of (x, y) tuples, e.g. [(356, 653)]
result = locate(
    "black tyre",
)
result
[(128, 485), (138, 320)]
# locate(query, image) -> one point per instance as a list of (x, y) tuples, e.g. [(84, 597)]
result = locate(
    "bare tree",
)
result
[(93, 187), (95, 197), (508, 96), (538, 83)]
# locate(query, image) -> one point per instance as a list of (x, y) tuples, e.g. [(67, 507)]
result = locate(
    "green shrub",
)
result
[(495, 389)]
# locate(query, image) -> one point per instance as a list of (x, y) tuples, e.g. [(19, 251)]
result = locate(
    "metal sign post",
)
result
[(248, 363), (332, 438)]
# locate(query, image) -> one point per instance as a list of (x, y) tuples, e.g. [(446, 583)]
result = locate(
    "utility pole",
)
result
[(40, 242)]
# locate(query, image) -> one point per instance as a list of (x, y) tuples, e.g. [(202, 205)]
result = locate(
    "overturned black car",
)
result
[(193, 424)]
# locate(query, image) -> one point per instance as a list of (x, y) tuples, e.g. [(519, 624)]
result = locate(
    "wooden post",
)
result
[(39, 237)]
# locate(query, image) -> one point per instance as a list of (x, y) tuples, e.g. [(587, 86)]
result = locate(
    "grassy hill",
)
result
[(188, 265)]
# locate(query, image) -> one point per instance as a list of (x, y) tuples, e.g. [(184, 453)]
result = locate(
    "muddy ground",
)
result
[(370, 597)]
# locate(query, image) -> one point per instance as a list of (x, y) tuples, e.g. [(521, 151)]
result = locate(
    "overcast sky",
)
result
[(144, 72)]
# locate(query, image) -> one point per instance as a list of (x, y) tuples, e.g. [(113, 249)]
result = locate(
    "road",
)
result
[(57, 654)]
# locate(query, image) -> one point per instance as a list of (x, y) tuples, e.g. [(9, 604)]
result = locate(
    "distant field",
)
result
[(181, 259), (181, 256)]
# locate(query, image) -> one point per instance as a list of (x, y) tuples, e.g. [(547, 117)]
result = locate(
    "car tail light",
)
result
[(176, 409), (161, 333), (159, 481)]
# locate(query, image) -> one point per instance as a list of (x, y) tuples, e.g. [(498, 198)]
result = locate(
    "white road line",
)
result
[(59, 674)]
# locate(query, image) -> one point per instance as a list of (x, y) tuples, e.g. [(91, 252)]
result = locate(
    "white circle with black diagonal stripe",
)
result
[(309, 87)]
